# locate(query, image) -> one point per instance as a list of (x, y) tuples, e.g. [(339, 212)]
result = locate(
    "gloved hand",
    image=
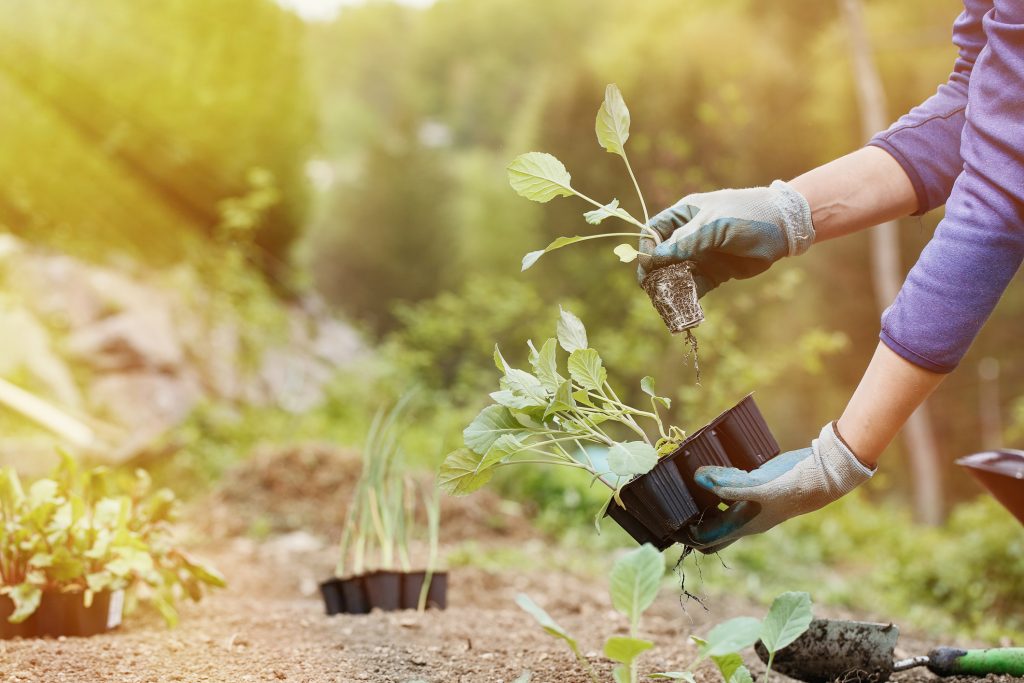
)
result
[(790, 484), (729, 233)]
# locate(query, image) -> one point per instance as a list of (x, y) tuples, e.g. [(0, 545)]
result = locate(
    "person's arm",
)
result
[(890, 390), (854, 192)]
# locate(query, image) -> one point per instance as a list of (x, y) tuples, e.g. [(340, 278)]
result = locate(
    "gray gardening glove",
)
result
[(729, 233), (791, 484)]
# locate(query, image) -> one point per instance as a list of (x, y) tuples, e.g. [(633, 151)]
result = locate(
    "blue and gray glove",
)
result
[(729, 233), (791, 484)]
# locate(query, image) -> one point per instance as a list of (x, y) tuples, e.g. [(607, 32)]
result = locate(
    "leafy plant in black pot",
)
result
[(574, 418), (72, 545)]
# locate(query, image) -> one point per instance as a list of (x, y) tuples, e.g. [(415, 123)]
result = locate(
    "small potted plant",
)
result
[(71, 546), (574, 418), (541, 177), (381, 518)]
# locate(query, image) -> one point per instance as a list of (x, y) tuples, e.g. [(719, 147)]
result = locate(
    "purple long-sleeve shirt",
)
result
[(964, 146)]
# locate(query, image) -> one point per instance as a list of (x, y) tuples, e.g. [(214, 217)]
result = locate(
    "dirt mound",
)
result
[(307, 487)]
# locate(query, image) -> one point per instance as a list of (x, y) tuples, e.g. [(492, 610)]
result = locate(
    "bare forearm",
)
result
[(854, 192), (891, 389)]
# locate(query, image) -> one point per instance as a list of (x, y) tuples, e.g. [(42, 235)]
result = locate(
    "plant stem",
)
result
[(636, 185), (768, 669)]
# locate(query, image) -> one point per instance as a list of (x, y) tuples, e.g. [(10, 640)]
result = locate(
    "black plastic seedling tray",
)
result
[(387, 591), (661, 502), (64, 614)]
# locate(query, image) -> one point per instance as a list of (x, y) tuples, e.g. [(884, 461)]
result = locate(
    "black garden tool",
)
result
[(859, 651)]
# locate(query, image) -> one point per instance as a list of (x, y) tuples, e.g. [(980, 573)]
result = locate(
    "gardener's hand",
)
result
[(729, 233), (791, 484)]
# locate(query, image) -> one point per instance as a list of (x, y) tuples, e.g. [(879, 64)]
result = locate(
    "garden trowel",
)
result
[(849, 651)]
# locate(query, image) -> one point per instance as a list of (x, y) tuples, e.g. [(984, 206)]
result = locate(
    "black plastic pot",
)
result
[(334, 599), (354, 593), (65, 614), (665, 500), (384, 590), (437, 593)]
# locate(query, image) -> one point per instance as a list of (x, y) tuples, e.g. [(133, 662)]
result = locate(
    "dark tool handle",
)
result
[(949, 661)]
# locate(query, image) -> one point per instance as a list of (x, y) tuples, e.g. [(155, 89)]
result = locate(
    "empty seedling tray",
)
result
[(661, 502)]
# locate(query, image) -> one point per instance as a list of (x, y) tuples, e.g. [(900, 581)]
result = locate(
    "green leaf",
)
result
[(526, 386), (647, 386), (546, 622), (635, 579), (788, 617), (676, 676), (25, 597), (499, 360), (728, 664), (621, 674), (510, 399), (458, 474), (202, 571), (484, 430), (612, 124), (42, 491), (586, 368), (731, 636), (741, 675), (540, 177), (629, 458), (572, 335), (504, 446), (11, 493), (610, 209), (625, 650), (626, 253), (545, 365)]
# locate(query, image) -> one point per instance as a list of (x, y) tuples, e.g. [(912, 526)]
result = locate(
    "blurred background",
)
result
[(247, 222)]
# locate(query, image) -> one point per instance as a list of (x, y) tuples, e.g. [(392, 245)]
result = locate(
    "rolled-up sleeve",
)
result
[(926, 141), (978, 247)]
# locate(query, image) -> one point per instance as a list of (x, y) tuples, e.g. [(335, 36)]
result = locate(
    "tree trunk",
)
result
[(886, 270)]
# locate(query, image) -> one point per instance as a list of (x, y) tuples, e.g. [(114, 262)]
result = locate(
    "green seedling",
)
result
[(541, 177), (433, 506), (635, 579), (89, 531), (787, 618), (552, 415)]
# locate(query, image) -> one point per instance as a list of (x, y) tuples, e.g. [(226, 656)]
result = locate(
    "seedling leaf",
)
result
[(625, 650), (634, 581), (610, 209), (612, 124), (731, 636), (647, 386), (630, 458), (572, 335), (540, 177), (484, 430), (741, 675), (26, 598), (546, 366), (552, 627), (676, 676), (587, 370), (788, 617), (728, 664), (459, 474), (527, 386), (504, 446), (626, 253)]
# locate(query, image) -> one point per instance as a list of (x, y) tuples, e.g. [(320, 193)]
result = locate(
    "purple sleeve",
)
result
[(979, 245), (926, 141)]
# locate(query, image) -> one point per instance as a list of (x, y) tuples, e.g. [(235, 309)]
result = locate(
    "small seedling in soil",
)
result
[(556, 416), (787, 618), (87, 534), (635, 579), (541, 177)]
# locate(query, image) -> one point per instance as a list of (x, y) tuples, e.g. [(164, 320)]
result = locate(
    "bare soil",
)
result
[(269, 624)]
